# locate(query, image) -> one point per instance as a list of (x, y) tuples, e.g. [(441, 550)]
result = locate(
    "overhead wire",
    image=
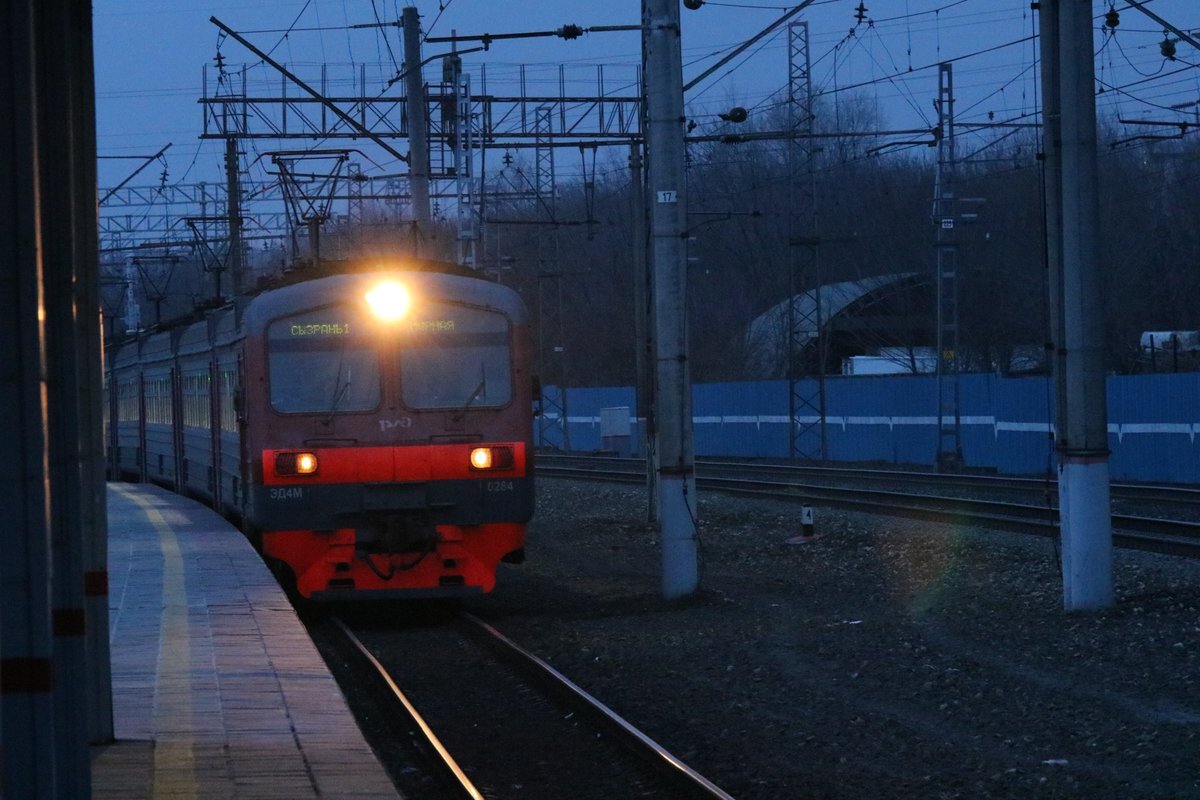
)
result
[(381, 34), (289, 28), (346, 17), (441, 10), (898, 78), (908, 95)]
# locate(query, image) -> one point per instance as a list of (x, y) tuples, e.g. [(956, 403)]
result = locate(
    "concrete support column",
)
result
[(27, 744), (89, 342), (668, 201), (418, 124), (58, 119), (1081, 428)]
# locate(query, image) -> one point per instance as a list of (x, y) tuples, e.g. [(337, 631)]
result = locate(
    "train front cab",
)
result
[(430, 531), (393, 469)]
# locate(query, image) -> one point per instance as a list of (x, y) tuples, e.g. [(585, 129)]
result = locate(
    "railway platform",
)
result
[(217, 689)]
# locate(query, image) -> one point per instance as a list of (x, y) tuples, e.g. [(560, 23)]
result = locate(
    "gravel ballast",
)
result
[(885, 659)]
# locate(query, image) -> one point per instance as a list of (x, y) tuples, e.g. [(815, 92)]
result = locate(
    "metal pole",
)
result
[(806, 398), (314, 239), (664, 135), (418, 122), (463, 180), (27, 710), (1083, 434), (949, 442), (233, 207)]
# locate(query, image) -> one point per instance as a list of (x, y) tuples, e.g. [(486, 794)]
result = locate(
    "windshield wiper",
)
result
[(338, 397), (476, 393)]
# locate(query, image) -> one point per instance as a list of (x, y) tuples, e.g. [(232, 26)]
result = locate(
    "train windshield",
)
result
[(322, 362), (455, 357)]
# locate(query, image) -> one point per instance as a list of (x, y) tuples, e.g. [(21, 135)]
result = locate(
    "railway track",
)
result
[(1166, 523), (498, 722)]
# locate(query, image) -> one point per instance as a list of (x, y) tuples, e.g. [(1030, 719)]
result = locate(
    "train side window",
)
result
[(455, 357), (319, 362)]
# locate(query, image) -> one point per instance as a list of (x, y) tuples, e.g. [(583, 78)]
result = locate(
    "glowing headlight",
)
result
[(481, 458), (295, 463), (389, 301), (492, 458)]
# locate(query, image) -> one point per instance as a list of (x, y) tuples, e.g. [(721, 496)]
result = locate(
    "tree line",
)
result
[(874, 216), (756, 237)]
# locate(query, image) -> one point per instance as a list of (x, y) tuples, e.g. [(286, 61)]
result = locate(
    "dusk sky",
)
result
[(150, 55)]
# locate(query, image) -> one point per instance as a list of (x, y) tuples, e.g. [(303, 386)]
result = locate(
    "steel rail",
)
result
[(452, 769), (1171, 536), (1120, 490), (688, 781)]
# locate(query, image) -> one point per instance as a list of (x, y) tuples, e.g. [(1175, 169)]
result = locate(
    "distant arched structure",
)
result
[(857, 317)]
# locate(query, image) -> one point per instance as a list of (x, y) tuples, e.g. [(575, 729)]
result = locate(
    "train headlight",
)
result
[(295, 463), (389, 301), (483, 458)]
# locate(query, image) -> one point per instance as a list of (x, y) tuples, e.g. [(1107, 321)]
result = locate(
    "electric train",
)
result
[(371, 430)]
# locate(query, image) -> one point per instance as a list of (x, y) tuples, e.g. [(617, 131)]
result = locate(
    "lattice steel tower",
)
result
[(551, 344), (805, 339), (945, 217)]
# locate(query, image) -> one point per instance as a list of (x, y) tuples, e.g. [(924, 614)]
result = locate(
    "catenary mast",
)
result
[(668, 218)]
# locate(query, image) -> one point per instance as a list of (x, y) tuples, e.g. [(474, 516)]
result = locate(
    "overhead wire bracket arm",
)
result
[(150, 160), (1173, 29), (399, 76), (746, 45), (342, 115), (565, 32)]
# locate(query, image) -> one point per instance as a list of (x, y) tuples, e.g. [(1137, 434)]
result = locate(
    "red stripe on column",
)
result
[(25, 675), (69, 622), (95, 583)]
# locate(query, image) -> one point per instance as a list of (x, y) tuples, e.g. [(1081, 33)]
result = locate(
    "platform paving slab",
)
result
[(218, 692)]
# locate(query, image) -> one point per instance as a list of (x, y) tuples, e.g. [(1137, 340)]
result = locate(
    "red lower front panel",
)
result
[(327, 563)]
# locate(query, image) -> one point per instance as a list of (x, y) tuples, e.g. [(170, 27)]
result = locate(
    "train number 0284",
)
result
[(501, 486)]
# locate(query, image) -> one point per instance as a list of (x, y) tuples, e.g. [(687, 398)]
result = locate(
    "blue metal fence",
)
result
[(1154, 422)]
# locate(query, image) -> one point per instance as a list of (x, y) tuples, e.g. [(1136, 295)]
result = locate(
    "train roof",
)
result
[(447, 280), (441, 286)]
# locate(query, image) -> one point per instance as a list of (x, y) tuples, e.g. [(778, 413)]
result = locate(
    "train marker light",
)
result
[(492, 458), (295, 463), (389, 301)]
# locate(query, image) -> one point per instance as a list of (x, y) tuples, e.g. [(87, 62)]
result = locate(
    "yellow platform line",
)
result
[(174, 753)]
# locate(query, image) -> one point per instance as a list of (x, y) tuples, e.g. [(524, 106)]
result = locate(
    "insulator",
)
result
[(1167, 45), (692, 5), (735, 114), (1112, 19), (860, 13)]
